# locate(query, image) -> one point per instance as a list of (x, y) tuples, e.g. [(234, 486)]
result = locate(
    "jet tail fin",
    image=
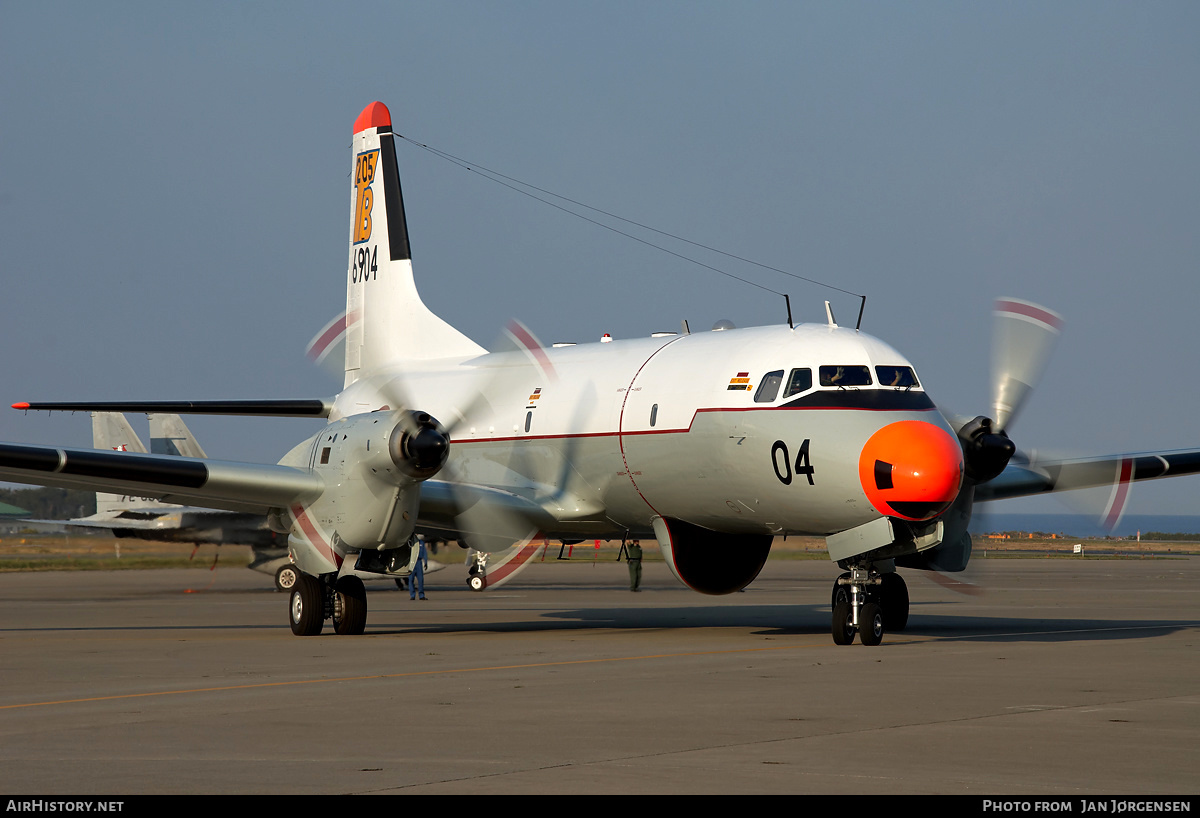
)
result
[(111, 431), (386, 321), (170, 435)]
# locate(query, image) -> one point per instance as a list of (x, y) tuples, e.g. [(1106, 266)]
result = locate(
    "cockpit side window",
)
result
[(901, 377), (769, 388), (799, 381), (847, 375)]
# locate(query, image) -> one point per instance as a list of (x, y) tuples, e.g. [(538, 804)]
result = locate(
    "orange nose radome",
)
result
[(911, 469)]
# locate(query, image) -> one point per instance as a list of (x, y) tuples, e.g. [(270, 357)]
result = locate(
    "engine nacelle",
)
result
[(372, 466), (708, 561)]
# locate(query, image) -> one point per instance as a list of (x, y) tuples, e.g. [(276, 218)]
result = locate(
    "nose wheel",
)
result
[(867, 603)]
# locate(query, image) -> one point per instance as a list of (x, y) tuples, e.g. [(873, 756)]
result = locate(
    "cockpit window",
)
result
[(769, 388), (901, 377), (845, 376), (799, 381)]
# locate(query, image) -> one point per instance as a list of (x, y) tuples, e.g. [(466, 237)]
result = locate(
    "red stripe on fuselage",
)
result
[(688, 428)]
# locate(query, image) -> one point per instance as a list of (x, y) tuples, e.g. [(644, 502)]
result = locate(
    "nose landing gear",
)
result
[(866, 603)]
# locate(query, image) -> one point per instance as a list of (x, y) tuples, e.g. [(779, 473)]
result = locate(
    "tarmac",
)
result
[(1068, 677)]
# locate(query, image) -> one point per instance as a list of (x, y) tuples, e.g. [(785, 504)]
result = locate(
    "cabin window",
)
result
[(847, 375), (768, 390), (528, 420), (653, 414), (901, 377), (799, 381)]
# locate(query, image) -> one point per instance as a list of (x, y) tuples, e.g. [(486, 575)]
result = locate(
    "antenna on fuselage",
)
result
[(788, 301), (829, 315)]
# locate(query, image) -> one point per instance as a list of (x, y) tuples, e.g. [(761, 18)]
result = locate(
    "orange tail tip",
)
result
[(375, 115)]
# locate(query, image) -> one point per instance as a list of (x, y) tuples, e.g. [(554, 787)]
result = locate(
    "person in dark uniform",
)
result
[(634, 558)]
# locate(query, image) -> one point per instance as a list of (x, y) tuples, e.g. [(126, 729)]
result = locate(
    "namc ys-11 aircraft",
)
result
[(713, 443)]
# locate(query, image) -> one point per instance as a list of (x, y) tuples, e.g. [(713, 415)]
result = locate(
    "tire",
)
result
[(285, 577), (843, 626), (306, 606), (893, 596), (477, 583), (871, 624), (842, 591), (350, 607)]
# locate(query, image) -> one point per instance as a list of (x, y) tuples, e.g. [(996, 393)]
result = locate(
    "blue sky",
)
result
[(173, 214)]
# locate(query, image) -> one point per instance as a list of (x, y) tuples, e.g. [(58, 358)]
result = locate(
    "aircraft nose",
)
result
[(911, 469)]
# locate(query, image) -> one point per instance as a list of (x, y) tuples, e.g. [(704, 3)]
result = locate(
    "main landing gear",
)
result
[(868, 603), (315, 599)]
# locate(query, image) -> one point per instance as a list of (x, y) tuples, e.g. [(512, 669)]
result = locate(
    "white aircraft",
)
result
[(713, 443)]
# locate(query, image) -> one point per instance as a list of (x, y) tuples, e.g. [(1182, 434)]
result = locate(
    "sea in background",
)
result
[(1085, 525)]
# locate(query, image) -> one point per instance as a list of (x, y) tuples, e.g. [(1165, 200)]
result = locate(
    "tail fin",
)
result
[(386, 321), (170, 435), (111, 430)]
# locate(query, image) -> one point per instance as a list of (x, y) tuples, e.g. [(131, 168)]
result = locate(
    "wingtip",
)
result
[(20, 405), (375, 115)]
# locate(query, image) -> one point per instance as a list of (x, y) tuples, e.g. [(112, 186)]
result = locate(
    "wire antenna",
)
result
[(524, 188)]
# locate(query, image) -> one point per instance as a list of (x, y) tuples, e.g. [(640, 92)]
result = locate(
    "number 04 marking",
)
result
[(784, 473)]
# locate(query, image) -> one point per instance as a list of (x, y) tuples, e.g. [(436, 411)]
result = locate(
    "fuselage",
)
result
[(761, 430)]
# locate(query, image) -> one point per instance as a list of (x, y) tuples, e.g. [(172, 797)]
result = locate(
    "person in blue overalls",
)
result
[(416, 583)]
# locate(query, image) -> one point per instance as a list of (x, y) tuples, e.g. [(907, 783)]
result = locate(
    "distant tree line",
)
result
[(51, 504), (1162, 535)]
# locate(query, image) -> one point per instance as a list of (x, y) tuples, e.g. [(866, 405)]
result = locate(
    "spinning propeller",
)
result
[(1023, 336), (484, 518)]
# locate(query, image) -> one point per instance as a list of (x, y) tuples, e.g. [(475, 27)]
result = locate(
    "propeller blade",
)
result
[(1098, 488), (518, 359), (1024, 335), (485, 525), (515, 355)]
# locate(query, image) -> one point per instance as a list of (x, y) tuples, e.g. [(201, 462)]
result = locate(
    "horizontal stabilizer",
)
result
[(309, 408)]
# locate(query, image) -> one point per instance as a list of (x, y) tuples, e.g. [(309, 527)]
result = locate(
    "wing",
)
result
[(1033, 476), (246, 487)]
